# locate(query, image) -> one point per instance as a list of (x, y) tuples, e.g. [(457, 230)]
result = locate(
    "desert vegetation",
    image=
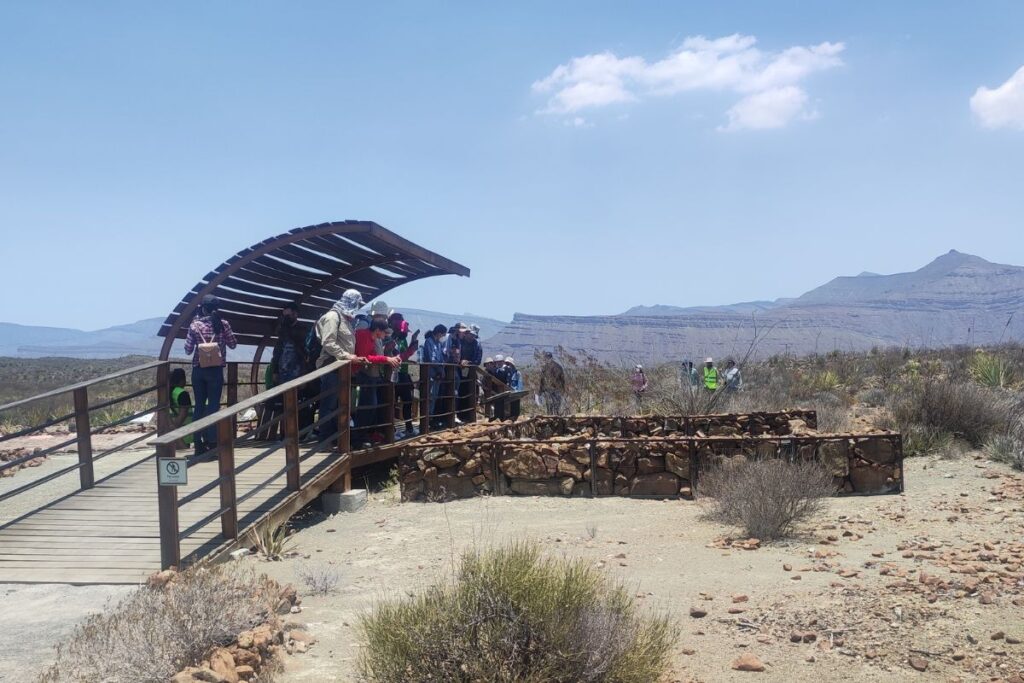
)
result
[(941, 400), (512, 614)]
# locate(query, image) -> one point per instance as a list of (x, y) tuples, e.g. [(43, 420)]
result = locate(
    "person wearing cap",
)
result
[(208, 382), (432, 358), (400, 345), (710, 375), (371, 416), (638, 381), (472, 354), (337, 336)]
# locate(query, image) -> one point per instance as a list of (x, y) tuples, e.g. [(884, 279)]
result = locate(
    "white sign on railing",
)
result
[(172, 471)]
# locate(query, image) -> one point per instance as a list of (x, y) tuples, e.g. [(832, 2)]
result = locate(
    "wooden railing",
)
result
[(77, 403), (455, 399)]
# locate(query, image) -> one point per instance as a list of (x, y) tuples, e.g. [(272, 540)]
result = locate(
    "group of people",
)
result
[(380, 346), (709, 377)]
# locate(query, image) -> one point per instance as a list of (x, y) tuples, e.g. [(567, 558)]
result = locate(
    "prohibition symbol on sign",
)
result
[(172, 471)]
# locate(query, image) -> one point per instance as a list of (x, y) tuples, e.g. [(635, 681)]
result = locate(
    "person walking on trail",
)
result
[(711, 379), (733, 377), (638, 382), (337, 337), (207, 340), (552, 385)]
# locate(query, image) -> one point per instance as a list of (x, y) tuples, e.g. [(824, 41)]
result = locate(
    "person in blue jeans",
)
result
[(208, 382)]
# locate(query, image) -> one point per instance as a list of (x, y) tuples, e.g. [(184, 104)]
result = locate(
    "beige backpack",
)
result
[(209, 353)]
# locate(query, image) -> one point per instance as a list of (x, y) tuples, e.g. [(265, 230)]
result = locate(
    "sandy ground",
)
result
[(661, 551), (668, 556)]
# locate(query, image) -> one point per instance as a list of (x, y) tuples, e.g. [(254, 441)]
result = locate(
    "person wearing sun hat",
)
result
[(337, 336)]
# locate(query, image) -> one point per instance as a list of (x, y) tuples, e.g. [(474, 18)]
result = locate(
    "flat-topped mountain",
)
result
[(956, 299)]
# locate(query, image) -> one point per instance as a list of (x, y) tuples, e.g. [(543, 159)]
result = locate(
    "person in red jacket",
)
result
[(369, 411)]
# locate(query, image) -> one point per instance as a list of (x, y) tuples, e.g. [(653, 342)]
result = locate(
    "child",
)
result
[(181, 406)]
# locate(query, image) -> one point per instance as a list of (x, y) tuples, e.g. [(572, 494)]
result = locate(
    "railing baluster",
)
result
[(451, 403), (83, 431), (226, 460), (344, 408), (425, 415), (290, 425), (167, 498), (474, 396)]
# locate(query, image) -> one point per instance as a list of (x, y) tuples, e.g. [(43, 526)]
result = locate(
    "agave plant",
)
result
[(991, 371)]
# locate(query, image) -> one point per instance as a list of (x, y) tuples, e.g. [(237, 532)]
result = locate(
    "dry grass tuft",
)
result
[(765, 498)]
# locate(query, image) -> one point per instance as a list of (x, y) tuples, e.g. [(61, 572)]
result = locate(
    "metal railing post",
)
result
[(451, 403), (290, 427), (226, 460), (83, 431), (389, 406), (474, 388), (425, 415), (344, 408), (167, 498)]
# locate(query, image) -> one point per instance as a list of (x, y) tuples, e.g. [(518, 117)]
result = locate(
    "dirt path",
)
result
[(865, 586)]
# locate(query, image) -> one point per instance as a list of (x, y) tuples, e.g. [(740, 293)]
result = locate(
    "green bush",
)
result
[(991, 371), (512, 615)]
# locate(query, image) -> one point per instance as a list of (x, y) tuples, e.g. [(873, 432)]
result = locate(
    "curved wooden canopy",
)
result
[(311, 266)]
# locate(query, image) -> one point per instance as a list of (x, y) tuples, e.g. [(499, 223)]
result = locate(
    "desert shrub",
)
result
[(271, 541), (1006, 448), (924, 439), (319, 578), (512, 615), (153, 633), (875, 398), (765, 498), (964, 410), (833, 417), (991, 371)]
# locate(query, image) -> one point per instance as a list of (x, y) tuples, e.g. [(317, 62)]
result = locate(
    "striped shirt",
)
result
[(201, 332)]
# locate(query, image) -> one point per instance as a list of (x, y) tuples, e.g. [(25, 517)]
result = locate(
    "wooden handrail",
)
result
[(82, 385)]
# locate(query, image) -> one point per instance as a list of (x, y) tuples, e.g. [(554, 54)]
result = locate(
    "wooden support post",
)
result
[(232, 383), (226, 459), (474, 396), (163, 398), (167, 500), (344, 408), (290, 425), (388, 391), (425, 416), (344, 482), (83, 432)]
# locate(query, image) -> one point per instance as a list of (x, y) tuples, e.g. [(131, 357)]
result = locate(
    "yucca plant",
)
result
[(271, 541), (991, 371)]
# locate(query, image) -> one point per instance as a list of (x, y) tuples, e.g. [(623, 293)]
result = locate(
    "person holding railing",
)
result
[(400, 345), (472, 354), (432, 358), (369, 414), (337, 337), (207, 340)]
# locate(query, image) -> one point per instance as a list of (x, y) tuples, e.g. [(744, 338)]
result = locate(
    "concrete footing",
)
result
[(349, 501)]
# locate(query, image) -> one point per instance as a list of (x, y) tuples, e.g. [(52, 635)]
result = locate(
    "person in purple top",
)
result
[(208, 382)]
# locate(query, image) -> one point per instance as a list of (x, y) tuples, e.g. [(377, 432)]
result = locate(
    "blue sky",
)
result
[(143, 143)]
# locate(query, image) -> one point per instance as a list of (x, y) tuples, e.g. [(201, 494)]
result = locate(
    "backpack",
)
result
[(209, 353), (313, 345)]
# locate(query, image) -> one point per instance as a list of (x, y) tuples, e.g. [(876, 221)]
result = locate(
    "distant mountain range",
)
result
[(955, 299), (139, 338)]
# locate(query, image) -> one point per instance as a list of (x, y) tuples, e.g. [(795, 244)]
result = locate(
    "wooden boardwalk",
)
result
[(109, 534)]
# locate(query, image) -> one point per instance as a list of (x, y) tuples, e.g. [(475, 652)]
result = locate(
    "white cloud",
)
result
[(1001, 107), (768, 82), (768, 109)]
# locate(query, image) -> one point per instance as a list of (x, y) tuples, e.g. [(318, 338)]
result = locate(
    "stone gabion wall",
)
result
[(640, 457)]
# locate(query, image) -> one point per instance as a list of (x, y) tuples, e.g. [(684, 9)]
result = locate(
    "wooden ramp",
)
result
[(110, 534)]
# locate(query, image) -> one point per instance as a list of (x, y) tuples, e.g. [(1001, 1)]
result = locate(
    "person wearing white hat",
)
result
[(711, 379), (515, 378), (338, 342)]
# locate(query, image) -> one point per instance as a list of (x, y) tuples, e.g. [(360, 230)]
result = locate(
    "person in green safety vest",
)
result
[(181, 405), (710, 375)]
